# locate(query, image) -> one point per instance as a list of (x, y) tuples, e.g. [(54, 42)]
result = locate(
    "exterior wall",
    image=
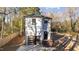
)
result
[(49, 30), (47, 27), (40, 28), (30, 28)]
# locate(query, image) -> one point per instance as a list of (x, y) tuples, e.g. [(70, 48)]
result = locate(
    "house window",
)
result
[(33, 21), (45, 21)]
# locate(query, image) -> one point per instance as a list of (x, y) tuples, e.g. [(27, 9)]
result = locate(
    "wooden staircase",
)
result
[(31, 40)]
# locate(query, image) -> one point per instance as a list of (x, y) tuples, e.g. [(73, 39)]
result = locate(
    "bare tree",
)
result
[(72, 12)]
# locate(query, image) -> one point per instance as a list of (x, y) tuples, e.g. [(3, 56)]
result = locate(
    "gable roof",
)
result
[(38, 15)]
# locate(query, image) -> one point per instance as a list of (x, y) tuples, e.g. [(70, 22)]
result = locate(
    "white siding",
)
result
[(30, 28), (39, 26)]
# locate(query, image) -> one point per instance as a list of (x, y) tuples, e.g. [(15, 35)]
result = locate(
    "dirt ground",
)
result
[(13, 44)]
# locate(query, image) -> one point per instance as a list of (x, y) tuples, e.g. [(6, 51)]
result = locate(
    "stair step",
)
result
[(31, 43)]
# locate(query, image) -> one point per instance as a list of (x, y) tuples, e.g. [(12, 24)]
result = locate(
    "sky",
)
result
[(52, 9), (57, 10)]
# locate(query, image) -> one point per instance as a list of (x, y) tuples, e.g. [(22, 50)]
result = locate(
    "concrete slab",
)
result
[(35, 48)]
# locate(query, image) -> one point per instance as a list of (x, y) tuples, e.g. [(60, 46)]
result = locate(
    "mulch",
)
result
[(13, 44)]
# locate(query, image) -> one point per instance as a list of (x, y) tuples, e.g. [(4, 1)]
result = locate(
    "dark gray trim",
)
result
[(44, 17)]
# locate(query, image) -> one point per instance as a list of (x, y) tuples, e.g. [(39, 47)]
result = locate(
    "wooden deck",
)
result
[(63, 43)]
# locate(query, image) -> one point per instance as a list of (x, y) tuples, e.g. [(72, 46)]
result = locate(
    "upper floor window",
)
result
[(45, 21), (33, 21)]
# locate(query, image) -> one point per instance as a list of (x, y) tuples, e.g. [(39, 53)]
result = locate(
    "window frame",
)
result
[(33, 21)]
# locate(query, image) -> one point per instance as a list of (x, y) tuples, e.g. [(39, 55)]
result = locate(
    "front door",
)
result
[(45, 29), (45, 35)]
